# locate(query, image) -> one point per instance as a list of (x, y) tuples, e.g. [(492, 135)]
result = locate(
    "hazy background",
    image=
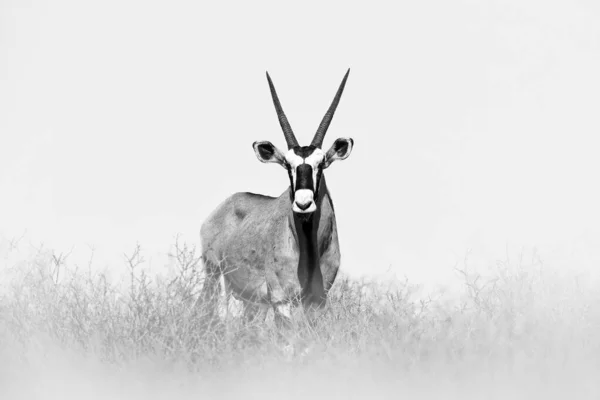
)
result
[(475, 124)]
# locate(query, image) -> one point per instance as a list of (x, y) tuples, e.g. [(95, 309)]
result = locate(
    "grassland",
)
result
[(69, 331)]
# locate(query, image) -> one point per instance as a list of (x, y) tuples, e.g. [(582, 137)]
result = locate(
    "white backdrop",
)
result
[(475, 125)]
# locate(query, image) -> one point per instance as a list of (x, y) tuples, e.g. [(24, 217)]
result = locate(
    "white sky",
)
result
[(475, 125)]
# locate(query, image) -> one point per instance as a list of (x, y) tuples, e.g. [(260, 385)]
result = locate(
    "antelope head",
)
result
[(304, 164)]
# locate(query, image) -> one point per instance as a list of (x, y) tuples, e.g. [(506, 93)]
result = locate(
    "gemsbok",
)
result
[(278, 251)]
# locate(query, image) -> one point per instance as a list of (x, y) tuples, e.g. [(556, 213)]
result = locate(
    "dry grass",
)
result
[(71, 332)]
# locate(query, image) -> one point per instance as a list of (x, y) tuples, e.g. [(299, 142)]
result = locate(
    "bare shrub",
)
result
[(519, 312)]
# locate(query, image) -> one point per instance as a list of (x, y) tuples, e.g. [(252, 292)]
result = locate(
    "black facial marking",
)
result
[(289, 170), (304, 151), (319, 175), (304, 177), (304, 172)]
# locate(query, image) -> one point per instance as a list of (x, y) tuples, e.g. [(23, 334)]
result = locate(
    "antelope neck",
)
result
[(306, 227)]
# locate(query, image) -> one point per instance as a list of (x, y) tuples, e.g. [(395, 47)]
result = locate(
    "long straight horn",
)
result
[(290, 138), (320, 135)]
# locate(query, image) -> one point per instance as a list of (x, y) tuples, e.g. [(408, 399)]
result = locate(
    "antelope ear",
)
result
[(266, 152), (340, 150)]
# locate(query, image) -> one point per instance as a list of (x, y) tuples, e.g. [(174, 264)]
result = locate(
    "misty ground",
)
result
[(69, 331)]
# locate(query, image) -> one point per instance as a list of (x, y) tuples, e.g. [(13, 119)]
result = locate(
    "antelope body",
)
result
[(279, 251)]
